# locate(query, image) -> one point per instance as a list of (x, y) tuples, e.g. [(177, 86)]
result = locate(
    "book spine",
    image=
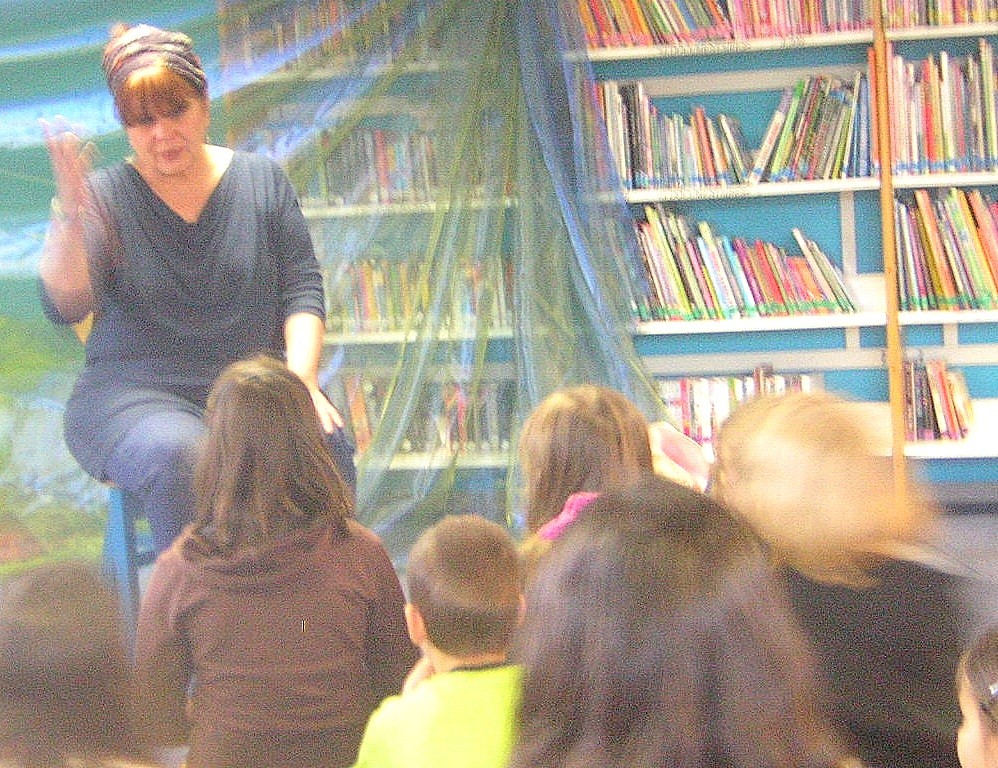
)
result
[(762, 161)]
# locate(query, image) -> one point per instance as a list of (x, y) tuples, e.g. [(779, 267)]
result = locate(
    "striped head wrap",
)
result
[(143, 46)]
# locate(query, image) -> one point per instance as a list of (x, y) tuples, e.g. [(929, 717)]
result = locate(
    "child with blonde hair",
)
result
[(812, 475)]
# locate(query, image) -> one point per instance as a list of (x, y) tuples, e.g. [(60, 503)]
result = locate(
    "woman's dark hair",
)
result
[(66, 687), (264, 469), (656, 635)]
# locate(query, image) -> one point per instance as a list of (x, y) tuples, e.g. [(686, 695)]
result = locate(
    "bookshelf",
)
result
[(456, 296), (386, 117), (469, 290), (721, 68)]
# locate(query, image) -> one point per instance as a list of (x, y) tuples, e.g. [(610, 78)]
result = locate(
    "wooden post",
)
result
[(894, 345)]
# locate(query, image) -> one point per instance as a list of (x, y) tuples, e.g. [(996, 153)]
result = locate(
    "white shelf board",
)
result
[(360, 338), (982, 442), (936, 180), (939, 31), (949, 317), (318, 210), (762, 189), (718, 47), (866, 291), (466, 459), (756, 324)]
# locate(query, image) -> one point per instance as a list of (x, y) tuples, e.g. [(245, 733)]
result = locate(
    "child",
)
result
[(977, 690), (274, 624), (655, 634), (464, 605), (810, 474), (580, 439), (66, 688)]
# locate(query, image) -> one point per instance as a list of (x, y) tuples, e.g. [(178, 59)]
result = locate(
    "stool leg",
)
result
[(120, 556)]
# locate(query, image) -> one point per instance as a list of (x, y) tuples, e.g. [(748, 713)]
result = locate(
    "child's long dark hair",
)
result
[(656, 635), (264, 469)]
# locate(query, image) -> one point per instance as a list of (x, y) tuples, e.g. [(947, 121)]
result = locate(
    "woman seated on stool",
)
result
[(187, 256)]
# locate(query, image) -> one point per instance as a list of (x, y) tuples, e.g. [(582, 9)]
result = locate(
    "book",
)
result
[(963, 405), (754, 297), (722, 290), (736, 148), (986, 229), (942, 400), (943, 282), (983, 286), (779, 162), (762, 159)]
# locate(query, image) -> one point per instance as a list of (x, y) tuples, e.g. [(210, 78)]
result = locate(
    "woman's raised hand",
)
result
[(72, 159)]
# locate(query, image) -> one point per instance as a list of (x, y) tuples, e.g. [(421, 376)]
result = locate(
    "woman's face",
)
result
[(977, 738), (170, 144)]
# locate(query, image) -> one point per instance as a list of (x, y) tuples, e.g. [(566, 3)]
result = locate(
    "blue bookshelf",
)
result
[(850, 352)]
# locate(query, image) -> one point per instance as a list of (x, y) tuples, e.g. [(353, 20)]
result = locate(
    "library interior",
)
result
[(694, 203)]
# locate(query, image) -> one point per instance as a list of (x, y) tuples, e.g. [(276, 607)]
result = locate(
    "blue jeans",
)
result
[(154, 464)]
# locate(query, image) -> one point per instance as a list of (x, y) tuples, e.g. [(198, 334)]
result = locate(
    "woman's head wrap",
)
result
[(143, 46)]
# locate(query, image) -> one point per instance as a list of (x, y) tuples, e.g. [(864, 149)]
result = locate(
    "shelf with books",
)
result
[(459, 417), (397, 124), (695, 274), (678, 132), (676, 23), (960, 347), (373, 293), (980, 441), (692, 87), (698, 405)]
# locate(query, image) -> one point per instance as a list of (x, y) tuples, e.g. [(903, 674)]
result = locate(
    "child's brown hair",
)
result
[(464, 578)]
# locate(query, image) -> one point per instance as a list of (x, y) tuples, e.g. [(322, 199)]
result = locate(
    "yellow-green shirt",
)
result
[(459, 719)]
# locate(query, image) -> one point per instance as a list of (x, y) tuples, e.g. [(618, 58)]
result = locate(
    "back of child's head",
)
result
[(464, 577), (65, 678), (656, 634), (812, 474), (977, 689), (264, 468), (579, 438)]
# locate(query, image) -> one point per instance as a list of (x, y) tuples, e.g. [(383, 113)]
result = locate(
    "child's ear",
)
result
[(415, 624)]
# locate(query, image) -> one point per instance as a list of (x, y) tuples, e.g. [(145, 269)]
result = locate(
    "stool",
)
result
[(127, 547)]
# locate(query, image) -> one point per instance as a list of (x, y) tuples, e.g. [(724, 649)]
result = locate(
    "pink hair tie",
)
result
[(554, 528)]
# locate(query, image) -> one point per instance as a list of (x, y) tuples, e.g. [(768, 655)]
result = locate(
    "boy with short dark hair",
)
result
[(465, 601)]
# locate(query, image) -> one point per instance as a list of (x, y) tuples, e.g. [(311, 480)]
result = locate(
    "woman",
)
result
[(655, 635), (188, 256), (274, 624), (810, 472), (66, 685)]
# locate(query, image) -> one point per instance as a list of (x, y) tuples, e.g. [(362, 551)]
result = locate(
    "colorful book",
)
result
[(762, 159)]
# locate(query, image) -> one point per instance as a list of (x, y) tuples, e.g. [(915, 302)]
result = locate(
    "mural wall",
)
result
[(50, 65)]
